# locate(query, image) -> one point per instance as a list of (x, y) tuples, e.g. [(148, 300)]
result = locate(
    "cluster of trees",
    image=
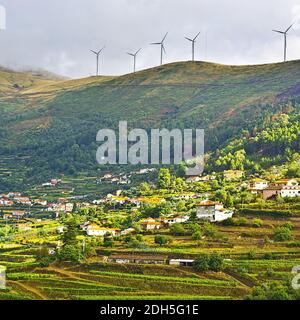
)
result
[(234, 161), (274, 291), (282, 135), (167, 181), (278, 141), (209, 262)]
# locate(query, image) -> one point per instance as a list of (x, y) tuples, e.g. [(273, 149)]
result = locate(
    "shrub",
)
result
[(269, 272), (108, 242), (46, 261), (242, 221), (268, 256), (177, 229), (161, 240), (288, 225), (209, 230), (282, 234), (197, 235), (251, 255), (257, 223)]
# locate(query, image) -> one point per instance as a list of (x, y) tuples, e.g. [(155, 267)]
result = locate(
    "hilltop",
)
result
[(53, 123)]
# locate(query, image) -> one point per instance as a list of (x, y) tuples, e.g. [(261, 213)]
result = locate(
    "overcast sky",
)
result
[(57, 34)]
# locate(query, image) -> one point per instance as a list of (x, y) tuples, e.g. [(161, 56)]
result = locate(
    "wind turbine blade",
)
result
[(188, 39), (102, 49), (288, 29), (131, 54), (278, 31), (156, 43), (164, 48), (196, 36), (138, 51), (164, 37), (94, 51)]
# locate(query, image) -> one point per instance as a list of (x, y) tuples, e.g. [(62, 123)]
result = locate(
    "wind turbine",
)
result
[(134, 58), (285, 38), (97, 53), (162, 47), (193, 45)]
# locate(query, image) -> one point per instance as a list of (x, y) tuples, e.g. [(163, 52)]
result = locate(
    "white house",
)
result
[(178, 219), (286, 183), (284, 188), (212, 211), (150, 224), (127, 231), (290, 191), (96, 230), (257, 185)]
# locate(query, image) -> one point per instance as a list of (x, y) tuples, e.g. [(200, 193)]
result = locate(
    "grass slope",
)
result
[(52, 120)]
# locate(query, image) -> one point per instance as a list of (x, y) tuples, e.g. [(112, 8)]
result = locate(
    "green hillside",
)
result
[(51, 125)]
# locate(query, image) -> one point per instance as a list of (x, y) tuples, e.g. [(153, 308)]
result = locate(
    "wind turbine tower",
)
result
[(193, 45), (162, 47), (97, 53), (134, 58), (285, 33)]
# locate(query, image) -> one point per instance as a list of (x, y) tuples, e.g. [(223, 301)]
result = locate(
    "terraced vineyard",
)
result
[(97, 279)]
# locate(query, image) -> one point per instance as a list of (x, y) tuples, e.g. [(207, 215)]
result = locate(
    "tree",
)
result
[(197, 235), (201, 263), (178, 184), (145, 188), (71, 232), (164, 208), (161, 240), (209, 230), (181, 205), (293, 170), (70, 253), (164, 178), (108, 242), (177, 229), (194, 227), (216, 262), (282, 234), (229, 201)]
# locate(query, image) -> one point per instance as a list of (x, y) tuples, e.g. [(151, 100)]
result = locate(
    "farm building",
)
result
[(181, 262), (140, 259)]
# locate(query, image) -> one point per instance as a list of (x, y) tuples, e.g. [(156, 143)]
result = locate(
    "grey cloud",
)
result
[(58, 34)]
